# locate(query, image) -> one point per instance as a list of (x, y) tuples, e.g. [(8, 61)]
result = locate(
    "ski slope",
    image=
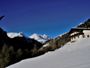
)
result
[(72, 55)]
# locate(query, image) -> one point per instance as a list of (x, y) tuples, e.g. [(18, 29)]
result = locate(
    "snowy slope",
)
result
[(72, 55), (40, 38), (14, 34)]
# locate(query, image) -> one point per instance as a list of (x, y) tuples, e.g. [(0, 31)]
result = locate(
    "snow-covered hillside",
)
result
[(40, 38), (72, 55), (14, 34)]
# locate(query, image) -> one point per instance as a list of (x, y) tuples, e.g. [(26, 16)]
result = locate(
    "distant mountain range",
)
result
[(40, 38), (16, 46)]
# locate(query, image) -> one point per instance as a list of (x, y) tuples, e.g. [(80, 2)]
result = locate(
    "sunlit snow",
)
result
[(72, 55)]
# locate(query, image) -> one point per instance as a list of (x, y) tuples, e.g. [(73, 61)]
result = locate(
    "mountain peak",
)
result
[(14, 34), (41, 38)]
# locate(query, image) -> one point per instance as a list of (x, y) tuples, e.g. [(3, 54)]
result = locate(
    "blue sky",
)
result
[(52, 17)]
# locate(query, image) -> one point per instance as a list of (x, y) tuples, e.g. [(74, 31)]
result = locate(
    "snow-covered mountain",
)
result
[(14, 34), (40, 38), (71, 55)]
